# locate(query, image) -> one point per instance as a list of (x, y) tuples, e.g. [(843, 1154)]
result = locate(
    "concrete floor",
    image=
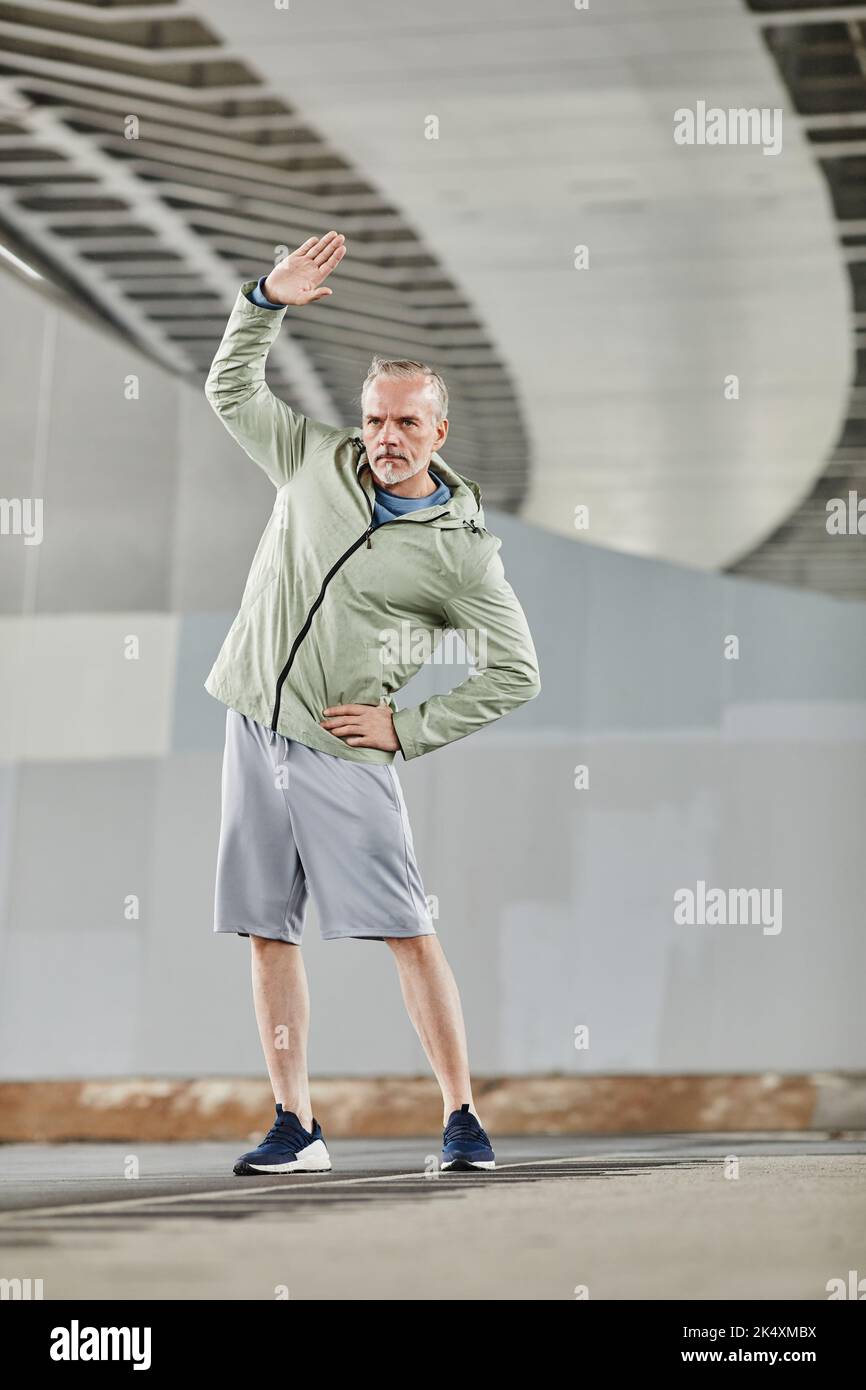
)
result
[(637, 1217)]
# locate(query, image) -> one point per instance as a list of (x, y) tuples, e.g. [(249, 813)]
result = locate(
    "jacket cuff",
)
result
[(258, 297), (247, 305), (402, 720)]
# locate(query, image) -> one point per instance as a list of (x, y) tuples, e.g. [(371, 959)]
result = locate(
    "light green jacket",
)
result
[(337, 612)]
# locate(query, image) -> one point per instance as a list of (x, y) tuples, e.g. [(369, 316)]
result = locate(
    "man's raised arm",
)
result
[(267, 429)]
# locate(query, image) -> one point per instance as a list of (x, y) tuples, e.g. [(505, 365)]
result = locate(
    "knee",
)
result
[(410, 946)]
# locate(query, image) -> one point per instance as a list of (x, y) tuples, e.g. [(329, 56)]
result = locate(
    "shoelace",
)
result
[(464, 1127), (282, 1130)]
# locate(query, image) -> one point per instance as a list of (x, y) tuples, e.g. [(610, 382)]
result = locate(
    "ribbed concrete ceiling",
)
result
[(556, 129), (147, 168), (820, 53), (602, 387)]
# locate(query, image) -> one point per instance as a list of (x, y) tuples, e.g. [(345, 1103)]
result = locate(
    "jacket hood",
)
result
[(465, 505)]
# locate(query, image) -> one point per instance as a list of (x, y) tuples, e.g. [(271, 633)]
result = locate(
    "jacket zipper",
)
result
[(321, 594)]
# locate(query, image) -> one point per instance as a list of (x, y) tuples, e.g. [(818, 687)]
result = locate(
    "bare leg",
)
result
[(282, 1002), (433, 1003)]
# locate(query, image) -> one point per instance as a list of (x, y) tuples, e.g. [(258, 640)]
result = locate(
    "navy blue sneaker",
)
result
[(287, 1148), (465, 1144)]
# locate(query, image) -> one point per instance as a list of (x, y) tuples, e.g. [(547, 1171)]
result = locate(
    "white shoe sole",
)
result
[(461, 1164), (313, 1159)]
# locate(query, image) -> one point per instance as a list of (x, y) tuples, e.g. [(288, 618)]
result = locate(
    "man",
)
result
[(374, 548)]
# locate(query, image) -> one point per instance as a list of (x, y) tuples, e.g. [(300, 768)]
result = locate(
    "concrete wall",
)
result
[(556, 905)]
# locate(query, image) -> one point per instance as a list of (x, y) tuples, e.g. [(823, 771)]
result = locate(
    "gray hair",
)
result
[(405, 368)]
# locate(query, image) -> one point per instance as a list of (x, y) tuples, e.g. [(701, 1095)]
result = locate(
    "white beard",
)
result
[(389, 472)]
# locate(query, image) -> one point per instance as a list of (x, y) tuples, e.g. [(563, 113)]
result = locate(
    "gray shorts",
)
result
[(297, 821)]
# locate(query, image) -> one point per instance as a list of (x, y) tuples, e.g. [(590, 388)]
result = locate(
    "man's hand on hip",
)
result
[(363, 726)]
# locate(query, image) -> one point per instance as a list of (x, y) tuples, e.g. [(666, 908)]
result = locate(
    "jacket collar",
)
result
[(465, 501)]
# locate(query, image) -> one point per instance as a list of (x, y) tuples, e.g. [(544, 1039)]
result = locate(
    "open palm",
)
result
[(299, 277)]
